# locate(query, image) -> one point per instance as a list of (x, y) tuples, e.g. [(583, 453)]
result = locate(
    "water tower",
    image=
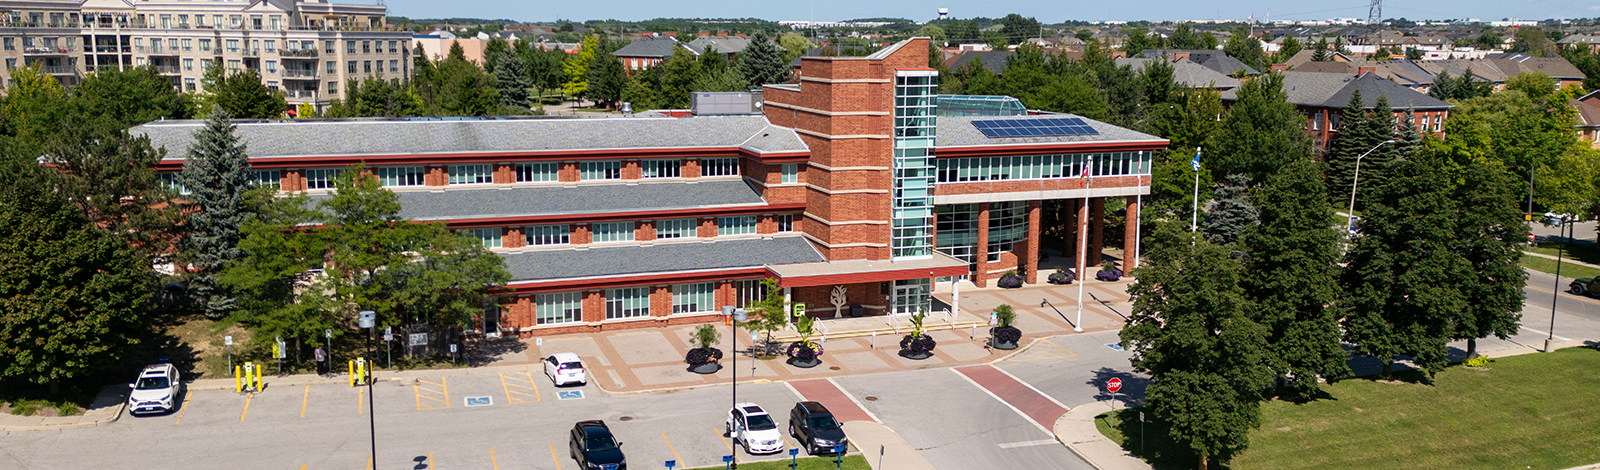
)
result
[(944, 13)]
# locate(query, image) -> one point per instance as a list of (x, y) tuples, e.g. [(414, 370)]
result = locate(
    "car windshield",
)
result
[(599, 443), (570, 366), (824, 423), (762, 423), (151, 383)]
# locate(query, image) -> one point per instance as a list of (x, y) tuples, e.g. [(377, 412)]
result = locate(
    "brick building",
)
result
[(1321, 98), (849, 178)]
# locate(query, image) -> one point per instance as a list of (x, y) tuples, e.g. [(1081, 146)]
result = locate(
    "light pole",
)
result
[(368, 321), (1562, 222), (1356, 179), (736, 315)]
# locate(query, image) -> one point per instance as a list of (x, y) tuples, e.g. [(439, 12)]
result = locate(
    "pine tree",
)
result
[(606, 79), (1320, 51), (1291, 261), (762, 62), (1381, 126), (1444, 87), (1232, 214), (217, 174), (1352, 141), (1489, 233), (511, 79), (1191, 331)]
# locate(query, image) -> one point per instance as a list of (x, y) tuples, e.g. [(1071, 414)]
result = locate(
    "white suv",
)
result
[(750, 425), (565, 368), (156, 391)]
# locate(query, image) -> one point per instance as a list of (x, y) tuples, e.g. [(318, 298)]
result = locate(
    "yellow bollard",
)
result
[(237, 385), (258, 379), (352, 373)]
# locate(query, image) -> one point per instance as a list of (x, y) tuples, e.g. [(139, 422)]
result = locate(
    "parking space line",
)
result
[(434, 402), (673, 449), (246, 411), (303, 399), (431, 465), (359, 401), (492, 460), (730, 445), (519, 395), (553, 457), (184, 407)]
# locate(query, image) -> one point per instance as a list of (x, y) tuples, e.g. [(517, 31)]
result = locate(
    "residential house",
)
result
[(1211, 59), (1588, 124), (1321, 98), (648, 52), (1188, 74)]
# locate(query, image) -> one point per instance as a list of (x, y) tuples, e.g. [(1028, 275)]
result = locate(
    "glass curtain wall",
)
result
[(911, 219)]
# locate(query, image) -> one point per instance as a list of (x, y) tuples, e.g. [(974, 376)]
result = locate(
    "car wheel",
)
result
[(1578, 289)]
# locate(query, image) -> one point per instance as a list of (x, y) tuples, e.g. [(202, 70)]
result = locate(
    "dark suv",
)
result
[(815, 429), (594, 447)]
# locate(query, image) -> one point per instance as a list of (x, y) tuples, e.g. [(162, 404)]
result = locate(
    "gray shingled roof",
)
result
[(599, 261), (372, 137), (1333, 90), (959, 132), (478, 203), (1187, 73), (652, 47), (722, 44)]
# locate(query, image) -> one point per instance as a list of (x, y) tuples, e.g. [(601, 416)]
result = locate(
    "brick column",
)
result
[(1129, 239), (1080, 257), (594, 306), (1069, 217), (981, 251), (660, 301), (1032, 263), (512, 237), (1097, 212)]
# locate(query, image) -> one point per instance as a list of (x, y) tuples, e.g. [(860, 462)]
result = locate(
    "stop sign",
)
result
[(1114, 385)]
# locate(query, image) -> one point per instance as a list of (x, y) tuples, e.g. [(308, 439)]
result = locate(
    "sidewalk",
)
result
[(106, 408), (871, 438), (1076, 430)]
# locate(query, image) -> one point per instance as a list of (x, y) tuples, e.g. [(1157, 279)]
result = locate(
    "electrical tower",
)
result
[(1374, 20)]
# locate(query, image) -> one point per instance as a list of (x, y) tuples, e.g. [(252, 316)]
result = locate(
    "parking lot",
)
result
[(505, 417)]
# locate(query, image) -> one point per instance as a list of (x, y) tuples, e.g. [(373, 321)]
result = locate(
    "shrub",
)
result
[(1062, 277), (804, 350), (705, 336), (1010, 280), (923, 343), (1479, 361), (1007, 334)]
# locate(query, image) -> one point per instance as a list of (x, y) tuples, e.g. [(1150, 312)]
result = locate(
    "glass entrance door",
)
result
[(491, 319), (910, 296)]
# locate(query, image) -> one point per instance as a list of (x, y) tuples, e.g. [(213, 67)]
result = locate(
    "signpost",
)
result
[(388, 336), (228, 341), (328, 333), (1114, 385), (1141, 433)]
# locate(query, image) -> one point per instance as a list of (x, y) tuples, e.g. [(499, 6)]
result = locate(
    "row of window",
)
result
[(610, 232), (1422, 123), (952, 170), (483, 173), (634, 302), (174, 181)]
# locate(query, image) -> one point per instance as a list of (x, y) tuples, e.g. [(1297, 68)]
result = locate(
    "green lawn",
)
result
[(1584, 252), (1535, 411), (851, 462), (1549, 265)]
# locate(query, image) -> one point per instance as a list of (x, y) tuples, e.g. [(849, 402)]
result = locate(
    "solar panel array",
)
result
[(1033, 127)]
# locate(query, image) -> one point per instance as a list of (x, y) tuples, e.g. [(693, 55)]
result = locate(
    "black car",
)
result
[(594, 447), (815, 429), (1586, 286)]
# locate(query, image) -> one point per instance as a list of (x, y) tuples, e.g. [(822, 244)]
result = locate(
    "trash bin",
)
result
[(855, 310)]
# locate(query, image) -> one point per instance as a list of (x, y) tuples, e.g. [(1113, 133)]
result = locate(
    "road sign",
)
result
[(672, 463), (1114, 385), (799, 309), (452, 349), (277, 350), (479, 401), (419, 339), (227, 340), (328, 333)]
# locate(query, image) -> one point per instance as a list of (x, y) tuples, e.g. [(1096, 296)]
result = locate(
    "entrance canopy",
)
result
[(860, 271)]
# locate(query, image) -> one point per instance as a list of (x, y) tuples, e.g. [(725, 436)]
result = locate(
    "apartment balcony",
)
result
[(298, 53), (60, 70), (300, 95), (39, 24), (250, 52), (49, 50), (167, 69), (113, 49), (300, 74), (163, 51)]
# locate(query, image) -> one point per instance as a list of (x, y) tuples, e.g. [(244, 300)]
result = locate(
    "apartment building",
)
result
[(308, 49), (859, 177)]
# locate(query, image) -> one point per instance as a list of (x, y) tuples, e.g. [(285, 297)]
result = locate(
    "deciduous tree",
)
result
[(1260, 133)]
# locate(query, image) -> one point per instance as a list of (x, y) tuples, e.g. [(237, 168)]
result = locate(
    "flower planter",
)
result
[(917, 348), (1004, 337), (1062, 278), (803, 354), (1009, 281), (995, 343), (703, 361), (915, 355), (804, 364), (706, 368)]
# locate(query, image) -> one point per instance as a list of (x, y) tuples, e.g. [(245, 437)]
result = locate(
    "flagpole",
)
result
[(1083, 242), (1194, 219)]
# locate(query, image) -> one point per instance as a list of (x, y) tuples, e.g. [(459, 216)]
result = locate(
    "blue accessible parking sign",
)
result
[(1114, 346), (570, 395)]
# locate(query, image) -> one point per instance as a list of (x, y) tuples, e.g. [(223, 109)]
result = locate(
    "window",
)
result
[(351, 67), (333, 88), (255, 21), (174, 181), (1008, 224), (540, 235), (216, 21), (676, 228), (11, 44), (200, 21), (489, 236), (272, 85), (470, 174), (394, 66), (265, 178), (392, 48), (379, 46), (632, 302), (188, 44), (166, 21), (366, 47), (272, 66), (785, 222), (612, 232), (233, 66), (277, 22), (270, 45), (188, 83), (172, 44), (205, 44), (1316, 122), (349, 47), (1438, 123), (321, 178), (1333, 122), (327, 46), (233, 45), (606, 170), (560, 307), (188, 65), (719, 167), (400, 175), (791, 173), (693, 298), (660, 168), (749, 291), (737, 225), (366, 66), (333, 67), (533, 172)]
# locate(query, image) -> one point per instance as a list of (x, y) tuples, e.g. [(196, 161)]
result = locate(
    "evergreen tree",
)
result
[(1382, 126), (456, 52), (1489, 234), (71, 296), (511, 79), (1354, 139), (762, 62), (1260, 133), (217, 174), (640, 89), (1291, 46), (1184, 37), (1444, 87), (109, 176), (1319, 52), (1291, 276), (1191, 331), (493, 51), (1232, 214), (606, 80), (1246, 48)]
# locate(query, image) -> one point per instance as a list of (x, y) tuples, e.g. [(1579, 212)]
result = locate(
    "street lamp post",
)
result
[(1564, 222), (737, 315), (368, 320), (1356, 179)]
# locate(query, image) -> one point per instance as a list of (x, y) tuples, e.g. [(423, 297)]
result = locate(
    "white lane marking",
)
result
[(853, 400), (1031, 387), (1025, 416), (794, 391), (1041, 442), (1558, 337)]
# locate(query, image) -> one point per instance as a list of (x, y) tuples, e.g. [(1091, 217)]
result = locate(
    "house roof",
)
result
[(378, 137), (660, 257), (1588, 112), (1188, 73), (1517, 64), (534, 201), (659, 48), (995, 61), (1331, 90), (1579, 39), (724, 45), (958, 131)]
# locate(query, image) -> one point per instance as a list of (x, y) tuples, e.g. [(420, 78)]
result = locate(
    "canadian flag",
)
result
[(1086, 163)]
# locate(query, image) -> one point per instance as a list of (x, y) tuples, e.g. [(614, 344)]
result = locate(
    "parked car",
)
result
[(565, 368), (1589, 286), (156, 390), (815, 429), (593, 446), (752, 427)]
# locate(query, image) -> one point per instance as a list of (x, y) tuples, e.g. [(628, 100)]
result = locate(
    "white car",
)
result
[(565, 368), (751, 426), (156, 391)]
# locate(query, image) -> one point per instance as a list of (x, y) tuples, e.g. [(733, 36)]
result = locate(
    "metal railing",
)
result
[(299, 73), (113, 49), (49, 49), (167, 69), (60, 70), (296, 53), (250, 52), (300, 94)]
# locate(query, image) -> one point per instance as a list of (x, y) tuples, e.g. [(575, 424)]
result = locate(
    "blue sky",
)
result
[(1045, 10)]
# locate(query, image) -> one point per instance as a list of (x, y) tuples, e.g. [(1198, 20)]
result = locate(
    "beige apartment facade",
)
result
[(308, 49)]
